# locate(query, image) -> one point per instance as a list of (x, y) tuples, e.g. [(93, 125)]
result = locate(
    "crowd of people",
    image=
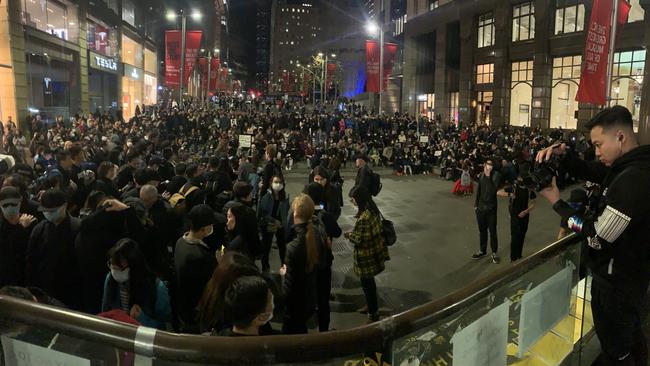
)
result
[(163, 216)]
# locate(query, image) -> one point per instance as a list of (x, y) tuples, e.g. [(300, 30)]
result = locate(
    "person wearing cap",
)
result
[(50, 259), (27, 206), (363, 172), (194, 263), (14, 236), (522, 202)]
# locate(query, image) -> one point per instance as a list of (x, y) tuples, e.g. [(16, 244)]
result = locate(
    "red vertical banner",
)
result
[(172, 58), (593, 78), (390, 50), (215, 64), (192, 45), (331, 70), (202, 67), (372, 67)]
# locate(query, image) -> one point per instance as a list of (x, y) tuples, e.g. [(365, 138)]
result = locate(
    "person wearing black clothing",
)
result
[(331, 194), (270, 169), (618, 232), (242, 230), (109, 221), (106, 173), (522, 202), (249, 305), (50, 258), (194, 263), (363, 174), (125, 173), (164, 226), (272, 217), (217, 180), (27, 206), (299, 271), (179, 180), (486, 210), (13, 238), (194, 179)]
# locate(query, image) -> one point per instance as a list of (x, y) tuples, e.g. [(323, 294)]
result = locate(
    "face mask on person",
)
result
[(270, 314), (120, 276), (210, 231), (11, 212), (277, 186), (54, 216)]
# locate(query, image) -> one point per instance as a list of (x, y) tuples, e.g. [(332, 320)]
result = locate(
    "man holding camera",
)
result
[(618, 233)]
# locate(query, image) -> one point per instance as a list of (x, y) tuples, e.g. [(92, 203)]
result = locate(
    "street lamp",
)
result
[(313, 81), (372, 28), (171, 16)]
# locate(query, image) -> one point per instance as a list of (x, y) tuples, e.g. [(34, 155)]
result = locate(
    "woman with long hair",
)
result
[(132, 287), (242, 230), (370, 251), (272, 216), (299, 270)]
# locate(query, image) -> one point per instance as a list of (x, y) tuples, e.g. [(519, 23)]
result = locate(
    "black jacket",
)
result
[(13, 245), (270, 169), (51, 263), (363, 177), (194, 263), (618, 236), (298, 286), (486, 193), (107, 186)]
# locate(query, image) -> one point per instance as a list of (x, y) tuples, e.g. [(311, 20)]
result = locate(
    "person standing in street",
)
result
[(521, 203), (618, 232), (486, 210)]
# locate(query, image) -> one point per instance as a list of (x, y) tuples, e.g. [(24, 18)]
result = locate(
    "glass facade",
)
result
[(53, 17), (101, 38), (453, 108), (521, 93), (150, 81), (484, 73), (132, 52), (128, 12), (636, 12), (486, 30), (523, 21), (566, 78), (627, 79)]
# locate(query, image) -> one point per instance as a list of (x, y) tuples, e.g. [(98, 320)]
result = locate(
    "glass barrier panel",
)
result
[(529, 321)]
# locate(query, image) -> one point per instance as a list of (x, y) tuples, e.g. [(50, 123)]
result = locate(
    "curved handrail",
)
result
[(280, 348)]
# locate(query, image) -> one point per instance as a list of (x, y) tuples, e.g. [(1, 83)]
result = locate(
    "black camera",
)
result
[(542, 174)]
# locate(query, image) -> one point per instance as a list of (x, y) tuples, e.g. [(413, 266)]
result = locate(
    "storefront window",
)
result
[(132, 52), (53, 17), (521, 93), (131, 96), (627, 79), (453, 108), (128, 12), (150, 61), (566, 78), (426, 103), (102, 38), (483, 107), (150, 89)]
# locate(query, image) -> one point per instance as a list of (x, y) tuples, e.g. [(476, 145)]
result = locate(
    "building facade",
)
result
[(60, 58), (513, 62)]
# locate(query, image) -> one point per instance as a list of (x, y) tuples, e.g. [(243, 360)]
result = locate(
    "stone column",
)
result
[(408, 82), (542, 64), (14, 98), (83, 58), (501, 82), (441, 105), (465, 89)]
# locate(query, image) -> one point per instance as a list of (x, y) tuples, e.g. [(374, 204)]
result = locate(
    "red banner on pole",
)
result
[(593, 78), (203, 70), (331, 70), (390, 50), (172, 58), (215, 64), (372, 66), (192, 45)]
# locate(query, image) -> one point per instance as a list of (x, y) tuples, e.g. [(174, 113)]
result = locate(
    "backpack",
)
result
[(375, 183), (177, 200)]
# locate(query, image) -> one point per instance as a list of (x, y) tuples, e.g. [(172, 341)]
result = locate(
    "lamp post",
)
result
[(372, 29), (313, 80), (171, 16)]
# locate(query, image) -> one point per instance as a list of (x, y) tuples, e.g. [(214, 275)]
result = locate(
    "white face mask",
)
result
[(277, 186), (270, 316), (120, 276), (210, 232)]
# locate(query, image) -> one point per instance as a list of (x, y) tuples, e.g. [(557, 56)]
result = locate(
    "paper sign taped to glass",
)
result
[(543, 307), (484, 341), (19, 353)]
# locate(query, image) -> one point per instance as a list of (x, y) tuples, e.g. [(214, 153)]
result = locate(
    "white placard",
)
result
[(19, 353), (437, 153), (424, 139), (484, 342), (245, 140), (543, 307)]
